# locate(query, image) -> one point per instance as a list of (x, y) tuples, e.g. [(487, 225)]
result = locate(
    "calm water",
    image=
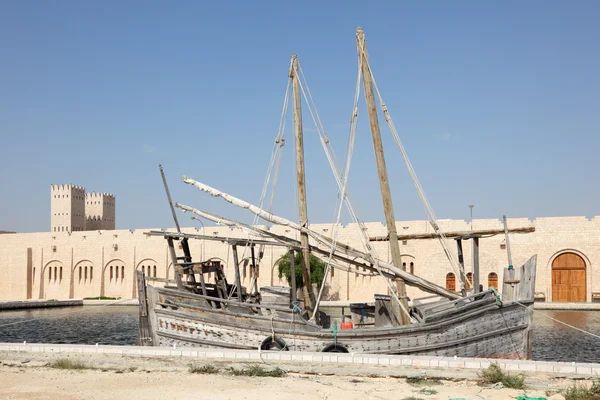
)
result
[(119, 325)]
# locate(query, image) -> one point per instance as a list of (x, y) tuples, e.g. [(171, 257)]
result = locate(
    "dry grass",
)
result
[(204, 369), (66, 363), (495, 374), (257, 370), (581, 392)]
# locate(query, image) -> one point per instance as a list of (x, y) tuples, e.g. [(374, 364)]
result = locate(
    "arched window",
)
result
[(143, 269), (80, 273), (116, 272), (404, 266), (60, 278), (49, 274), (91, 273), (85, 273), (55, 273), (154, 271), (111, 272), (451, 282), (33, 276), (412, 268), (493, 280), (469, 281), (122, 272)]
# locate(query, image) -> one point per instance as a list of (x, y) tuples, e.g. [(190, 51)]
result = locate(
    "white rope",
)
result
[(363, 236), (428, 209), (342, 192), (274, 164)]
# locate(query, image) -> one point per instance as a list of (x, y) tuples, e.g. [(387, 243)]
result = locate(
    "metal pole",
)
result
[(471, 207), (381, 168)]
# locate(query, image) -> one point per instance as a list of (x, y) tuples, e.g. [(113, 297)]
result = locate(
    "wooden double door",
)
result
[(568, 278)]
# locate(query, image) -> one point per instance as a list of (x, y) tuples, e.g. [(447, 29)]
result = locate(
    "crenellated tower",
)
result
[(100, 211), (67, 208), (72, 209)]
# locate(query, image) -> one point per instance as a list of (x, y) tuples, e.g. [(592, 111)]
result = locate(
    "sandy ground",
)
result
[(28, 376)]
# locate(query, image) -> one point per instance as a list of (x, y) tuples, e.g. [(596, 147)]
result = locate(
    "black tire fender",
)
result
[(277, 344), (335, 348)]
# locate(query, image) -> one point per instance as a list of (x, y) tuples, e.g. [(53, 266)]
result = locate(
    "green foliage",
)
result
[(495, 374), (580, 392), (204, 369), (65, 363), (257, 370), (317, 269), (428, 391)]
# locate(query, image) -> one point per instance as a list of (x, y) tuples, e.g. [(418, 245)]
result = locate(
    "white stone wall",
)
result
[(98, 251)]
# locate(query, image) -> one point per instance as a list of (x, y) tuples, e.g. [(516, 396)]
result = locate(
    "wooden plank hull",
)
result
[(483, 328)]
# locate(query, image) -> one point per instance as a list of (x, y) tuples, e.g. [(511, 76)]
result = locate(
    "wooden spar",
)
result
[(461, 265), (238, 281), (293, 275), (381, 168), (454, 234), (300, 174), (254, 287), (510, 264), (184, 242), (266, 215), (390, 269), (476, 265)]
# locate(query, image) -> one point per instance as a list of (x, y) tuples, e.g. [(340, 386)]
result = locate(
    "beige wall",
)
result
[(67, 208), (127, 251), (100, 211)]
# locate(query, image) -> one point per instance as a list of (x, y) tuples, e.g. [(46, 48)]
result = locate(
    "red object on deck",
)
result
[(347, 325)]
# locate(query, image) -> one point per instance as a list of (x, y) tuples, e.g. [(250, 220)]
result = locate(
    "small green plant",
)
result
[(581, 392), (257, 370), (413, 398), (427, 391), (65, 363), (495, 374), (422, 381), (204, 369)]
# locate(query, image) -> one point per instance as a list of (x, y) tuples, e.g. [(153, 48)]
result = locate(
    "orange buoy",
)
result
[(347, 325)]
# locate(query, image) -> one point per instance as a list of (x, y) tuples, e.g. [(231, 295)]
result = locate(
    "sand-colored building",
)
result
[(77, 264)]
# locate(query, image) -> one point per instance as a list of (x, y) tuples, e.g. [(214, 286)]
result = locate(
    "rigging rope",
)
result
[(428, 209), (363, 236)]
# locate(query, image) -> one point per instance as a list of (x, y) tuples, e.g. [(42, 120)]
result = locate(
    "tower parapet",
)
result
[(100, 211), (72, 209), (67, 208)]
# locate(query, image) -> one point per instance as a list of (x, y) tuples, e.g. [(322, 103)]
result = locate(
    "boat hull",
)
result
[(487, 327)]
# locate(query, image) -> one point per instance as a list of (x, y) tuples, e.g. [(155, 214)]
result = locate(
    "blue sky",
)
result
[(496, 102)]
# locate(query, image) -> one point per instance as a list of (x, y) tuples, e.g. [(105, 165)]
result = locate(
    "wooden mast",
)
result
[(380, 159), (307, 288)]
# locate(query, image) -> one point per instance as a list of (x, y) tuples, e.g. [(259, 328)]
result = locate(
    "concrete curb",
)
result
[(565, 369)]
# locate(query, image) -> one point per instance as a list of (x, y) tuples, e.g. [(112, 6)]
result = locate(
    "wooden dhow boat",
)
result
[(193, 311)]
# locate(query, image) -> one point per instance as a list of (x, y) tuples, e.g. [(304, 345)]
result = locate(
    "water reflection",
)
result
[(118, 325), (78, 325), (555, 341)]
